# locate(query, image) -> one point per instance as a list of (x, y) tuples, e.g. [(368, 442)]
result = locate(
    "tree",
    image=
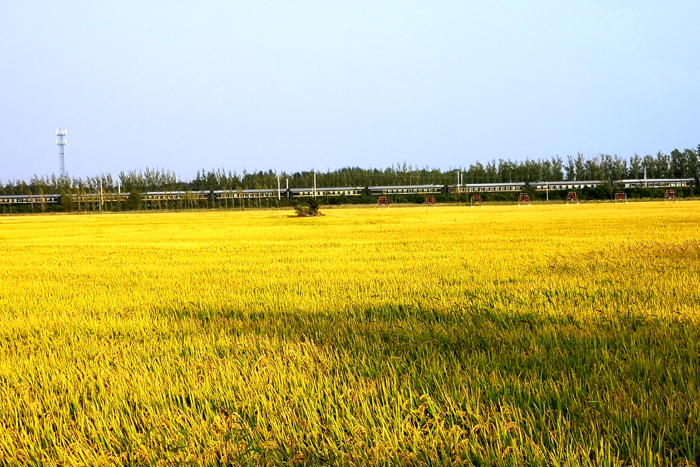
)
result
[(67, 200), (135, 200), (580, 167), (570, 168), (310, 209), (636, 170), (662, 165), (557, 169)]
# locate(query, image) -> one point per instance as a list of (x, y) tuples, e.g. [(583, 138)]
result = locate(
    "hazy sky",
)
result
[(294, 85)]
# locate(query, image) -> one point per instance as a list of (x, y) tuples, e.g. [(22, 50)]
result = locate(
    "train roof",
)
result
[(247, 190), (334, 188), (165, 192), (571, 182), (403, 186), (492, 184), (29, 196), (655, 180)]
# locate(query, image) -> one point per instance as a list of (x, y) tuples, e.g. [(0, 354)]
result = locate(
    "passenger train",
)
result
[(294, 193)]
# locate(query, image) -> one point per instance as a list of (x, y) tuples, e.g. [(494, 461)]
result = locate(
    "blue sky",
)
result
[(295, 85)]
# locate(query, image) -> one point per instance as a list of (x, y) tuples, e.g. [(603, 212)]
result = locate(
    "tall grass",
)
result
[(548, 335)]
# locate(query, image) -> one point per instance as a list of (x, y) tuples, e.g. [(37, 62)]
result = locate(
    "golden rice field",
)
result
[(549, 335)]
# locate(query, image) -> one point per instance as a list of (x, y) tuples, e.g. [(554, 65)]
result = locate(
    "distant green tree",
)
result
[(557, 169), (135, 200), (67, 201)]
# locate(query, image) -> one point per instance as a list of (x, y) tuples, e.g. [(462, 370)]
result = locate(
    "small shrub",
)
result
[(308, 210)]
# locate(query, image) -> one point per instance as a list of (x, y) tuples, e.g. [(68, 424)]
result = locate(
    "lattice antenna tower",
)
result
[(61, 144)]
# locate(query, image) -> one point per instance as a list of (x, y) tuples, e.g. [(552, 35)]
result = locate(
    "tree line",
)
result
[(677, 164)]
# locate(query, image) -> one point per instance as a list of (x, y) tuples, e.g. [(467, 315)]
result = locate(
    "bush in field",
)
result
[(310, 209)]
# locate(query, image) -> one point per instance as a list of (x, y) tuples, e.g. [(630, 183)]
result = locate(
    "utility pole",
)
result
[(278, 189), (314, 184)]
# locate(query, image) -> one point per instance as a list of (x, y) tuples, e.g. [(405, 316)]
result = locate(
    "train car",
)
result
[(326, 191), (94, 197), (407, 190), (265, 193), (566, 185), (164, 195), (156, 196), (656, 183), (111, 197), (487, 187), (29, 199)]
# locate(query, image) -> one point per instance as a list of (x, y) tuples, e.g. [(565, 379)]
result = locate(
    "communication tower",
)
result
[(61, 144)]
